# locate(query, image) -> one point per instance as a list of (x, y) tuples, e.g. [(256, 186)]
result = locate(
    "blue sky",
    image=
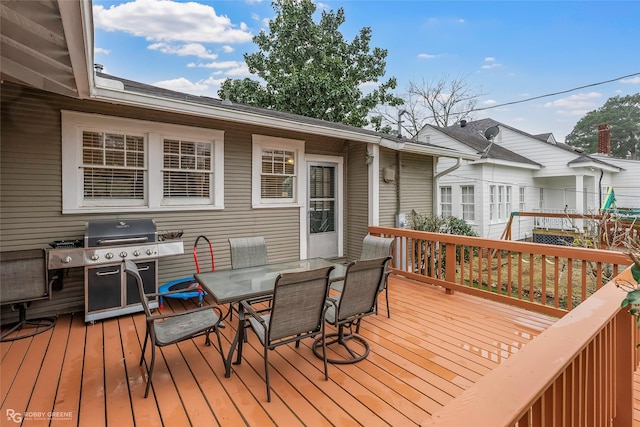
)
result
[(507, 50)]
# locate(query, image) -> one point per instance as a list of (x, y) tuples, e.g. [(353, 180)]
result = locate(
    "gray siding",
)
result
[(416, 184), (31, 190), (411, 189), (388, 190), (356, 200)]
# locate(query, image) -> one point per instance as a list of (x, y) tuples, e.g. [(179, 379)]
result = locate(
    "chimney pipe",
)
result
[(98, 67), (400, 113), (463, 123), (604, 139)]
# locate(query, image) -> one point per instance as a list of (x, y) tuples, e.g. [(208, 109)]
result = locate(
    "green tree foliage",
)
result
[(309, 68), (622, 114)]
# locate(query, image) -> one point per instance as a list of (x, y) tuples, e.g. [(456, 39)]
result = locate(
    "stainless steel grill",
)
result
[(107, 244)]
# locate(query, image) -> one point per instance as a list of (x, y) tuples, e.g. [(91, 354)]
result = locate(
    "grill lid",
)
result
[(120, 232)]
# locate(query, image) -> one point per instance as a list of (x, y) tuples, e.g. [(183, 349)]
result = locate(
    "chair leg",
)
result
[(220, 346), (386, 293), (266, 373), (150, 369), (324, 352), (144, 347)]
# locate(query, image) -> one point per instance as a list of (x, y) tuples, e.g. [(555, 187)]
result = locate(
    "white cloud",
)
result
[(101, 50), (227, 49), (214, 81), (490, 62), (634, 80), (426, 56), (190, 49), (575, 105), (170, 21), (227, 68), (489, 102), (221, 64), (182, 85)]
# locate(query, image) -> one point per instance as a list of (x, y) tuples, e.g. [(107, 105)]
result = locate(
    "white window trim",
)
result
[(72, 124), (297, 146)]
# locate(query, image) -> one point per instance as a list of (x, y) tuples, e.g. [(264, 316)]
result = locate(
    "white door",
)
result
[(323, 220)]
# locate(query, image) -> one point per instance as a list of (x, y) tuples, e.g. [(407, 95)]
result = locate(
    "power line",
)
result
[(555, 93)]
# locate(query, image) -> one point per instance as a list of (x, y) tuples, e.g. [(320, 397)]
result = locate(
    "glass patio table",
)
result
[(235, 285)]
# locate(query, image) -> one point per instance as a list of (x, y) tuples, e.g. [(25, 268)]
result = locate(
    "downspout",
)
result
[(398, 198), (435, 182), (600, 188)]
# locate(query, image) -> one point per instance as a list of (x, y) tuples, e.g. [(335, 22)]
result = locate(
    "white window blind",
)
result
[(277, 178), (187, 169), (113, 166)]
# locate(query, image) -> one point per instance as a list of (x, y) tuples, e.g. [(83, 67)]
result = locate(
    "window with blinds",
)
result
[(187, 169), (116, 164), (113, 166), (275, 171), (278, 176)]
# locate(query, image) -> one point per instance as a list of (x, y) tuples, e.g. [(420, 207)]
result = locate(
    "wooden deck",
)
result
[(432, 348)]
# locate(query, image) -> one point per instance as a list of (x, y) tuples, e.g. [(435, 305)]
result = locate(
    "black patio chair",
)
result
[(24, 279), (375, 247), (166, 329), (356, 301), (297, 311), (247, 252)]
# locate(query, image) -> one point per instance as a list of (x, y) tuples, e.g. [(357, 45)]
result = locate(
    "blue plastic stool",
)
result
[(185, 283)]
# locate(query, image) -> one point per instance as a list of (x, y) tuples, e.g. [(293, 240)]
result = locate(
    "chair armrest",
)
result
[(182, 313), (177, 291), (252, 312)]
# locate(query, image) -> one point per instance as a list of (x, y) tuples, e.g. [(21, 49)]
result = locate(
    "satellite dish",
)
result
[(491, 132)]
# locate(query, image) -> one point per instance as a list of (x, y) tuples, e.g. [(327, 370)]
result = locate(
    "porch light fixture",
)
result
[(368, 158)]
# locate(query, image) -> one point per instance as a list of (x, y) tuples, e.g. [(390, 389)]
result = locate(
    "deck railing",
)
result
[(545, 278), (577, 372)]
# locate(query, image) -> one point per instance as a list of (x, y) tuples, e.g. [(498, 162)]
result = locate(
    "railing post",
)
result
[(450, 272), (624, 369)]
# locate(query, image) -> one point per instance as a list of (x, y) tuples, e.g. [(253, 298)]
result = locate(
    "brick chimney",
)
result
[(604, 140)]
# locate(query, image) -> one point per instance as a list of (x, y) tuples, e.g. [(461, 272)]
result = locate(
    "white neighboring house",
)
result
[(517, 172)]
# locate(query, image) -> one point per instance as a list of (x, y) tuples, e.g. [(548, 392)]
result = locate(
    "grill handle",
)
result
[(123, 241), (107, 273)]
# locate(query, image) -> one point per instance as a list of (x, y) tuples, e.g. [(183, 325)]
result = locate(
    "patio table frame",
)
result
[(235, 285)]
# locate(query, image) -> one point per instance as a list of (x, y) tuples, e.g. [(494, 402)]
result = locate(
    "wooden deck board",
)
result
[(432, 348)]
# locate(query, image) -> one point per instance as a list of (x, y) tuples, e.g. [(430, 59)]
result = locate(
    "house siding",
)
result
[(411, 189), (31, 186), (356, 199), (416, 184), (388, 190)]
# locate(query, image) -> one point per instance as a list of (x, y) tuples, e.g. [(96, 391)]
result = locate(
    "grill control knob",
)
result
[(94, 257), (108, 255), (136, 253), (67, 259), (149, 252), (123, 254)]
